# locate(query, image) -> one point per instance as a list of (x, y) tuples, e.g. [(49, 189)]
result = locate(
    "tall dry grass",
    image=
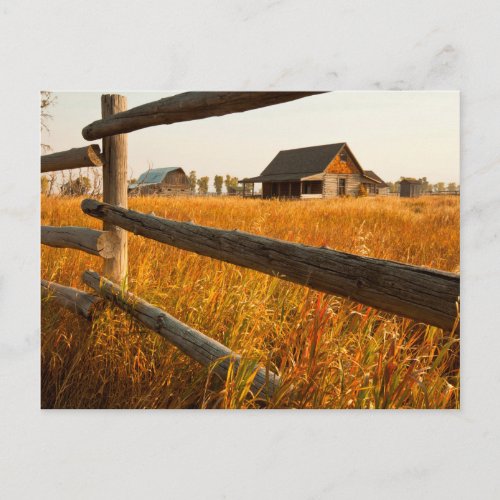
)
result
[(330, 352)]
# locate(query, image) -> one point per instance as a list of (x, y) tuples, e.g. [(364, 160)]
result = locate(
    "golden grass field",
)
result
[(329, 352)]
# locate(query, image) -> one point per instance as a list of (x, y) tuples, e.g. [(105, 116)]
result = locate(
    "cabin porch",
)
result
[(287, 189)]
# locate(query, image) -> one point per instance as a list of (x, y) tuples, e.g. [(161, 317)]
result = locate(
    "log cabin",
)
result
[(316, 172), (168, 181)]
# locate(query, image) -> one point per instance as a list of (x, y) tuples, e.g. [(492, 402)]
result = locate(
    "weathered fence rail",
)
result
[(416, 292), (75, 300), (88, 156), (195, 344), (185, 107), (102, 243)]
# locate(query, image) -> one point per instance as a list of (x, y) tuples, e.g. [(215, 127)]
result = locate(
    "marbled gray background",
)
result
[(237, 45)]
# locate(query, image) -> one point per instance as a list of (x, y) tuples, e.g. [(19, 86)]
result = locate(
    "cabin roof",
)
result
[(370, 174), (153, 176), (295, 164), (311, 160)]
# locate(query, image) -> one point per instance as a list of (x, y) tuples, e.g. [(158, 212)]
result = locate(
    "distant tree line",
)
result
[(201, 185), (67, 184)]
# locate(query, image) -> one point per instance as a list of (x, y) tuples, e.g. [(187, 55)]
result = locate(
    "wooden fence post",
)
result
[(115, 186)]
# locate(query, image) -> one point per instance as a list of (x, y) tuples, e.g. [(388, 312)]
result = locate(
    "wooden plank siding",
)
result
[(343, 166), (331, 184)]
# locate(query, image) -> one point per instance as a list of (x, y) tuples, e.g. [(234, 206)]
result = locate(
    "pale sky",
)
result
[(394, 133)]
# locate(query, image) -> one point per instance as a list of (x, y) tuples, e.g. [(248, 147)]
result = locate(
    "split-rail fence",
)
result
[(426, 295)]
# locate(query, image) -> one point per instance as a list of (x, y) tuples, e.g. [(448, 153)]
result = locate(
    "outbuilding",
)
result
[(410, 188), (167, 181)]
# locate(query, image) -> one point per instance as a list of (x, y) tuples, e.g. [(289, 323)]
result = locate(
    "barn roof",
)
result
[(153, 176), (298, 163)]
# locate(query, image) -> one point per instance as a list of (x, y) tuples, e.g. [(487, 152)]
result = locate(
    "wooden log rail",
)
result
[(88, 156), (102, 243), (195, 344), (75, 300), (185, 107), (418, 293)]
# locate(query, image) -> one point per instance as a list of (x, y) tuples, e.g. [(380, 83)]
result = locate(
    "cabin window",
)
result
[(343, 156), (370, 188), (341, 186)]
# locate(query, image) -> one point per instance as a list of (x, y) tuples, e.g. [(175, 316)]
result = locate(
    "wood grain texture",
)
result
[(75, 300), (195, 344), (331, 184), (88, 156), (185, 107), (115, 185), (102, 243), (420, 293)]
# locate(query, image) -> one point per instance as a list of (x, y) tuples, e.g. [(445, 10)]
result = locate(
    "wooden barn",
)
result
[(168, 181), (316, 172), (410, 188)]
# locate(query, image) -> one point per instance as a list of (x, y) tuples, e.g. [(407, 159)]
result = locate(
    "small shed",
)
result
[(410, 188), (167, 181)]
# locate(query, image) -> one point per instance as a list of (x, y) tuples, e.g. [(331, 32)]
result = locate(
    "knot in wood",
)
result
[(360, 282), (160, 322)]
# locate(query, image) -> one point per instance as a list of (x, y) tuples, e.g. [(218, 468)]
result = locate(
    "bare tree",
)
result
[(47, 99), (96, 182), (62, 179), (52, 180), (150, 167), (44, 185), (79, 186)]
